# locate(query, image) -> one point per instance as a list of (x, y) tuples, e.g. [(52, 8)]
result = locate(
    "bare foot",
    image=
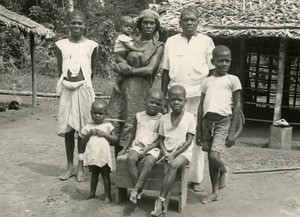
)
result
[(67, 175), (80, 176), (107, 200), (133, 196), (158, 208), (90, 196), (223, 178), (210, 198), (197, 187), (139, 195), (117, 87)]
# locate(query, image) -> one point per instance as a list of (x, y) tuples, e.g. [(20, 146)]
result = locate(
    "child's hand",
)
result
[(230, 140), (143, 153), (122, 152), (98, 132), (142, 50), (169, 158)]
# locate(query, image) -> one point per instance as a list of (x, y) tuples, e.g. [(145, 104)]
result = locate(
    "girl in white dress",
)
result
[(97, 137)]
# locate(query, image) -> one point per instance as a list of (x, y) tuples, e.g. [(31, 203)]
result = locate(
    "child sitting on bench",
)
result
[(144, 142), (176, 132)]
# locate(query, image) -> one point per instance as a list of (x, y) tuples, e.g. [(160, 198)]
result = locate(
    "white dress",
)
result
[(97, 151)]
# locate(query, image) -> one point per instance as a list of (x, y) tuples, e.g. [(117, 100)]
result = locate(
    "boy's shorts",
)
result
[(215, 134), (155, 152)]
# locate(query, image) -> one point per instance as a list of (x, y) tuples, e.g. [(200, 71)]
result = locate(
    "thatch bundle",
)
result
[(26, 25), (237, 18)]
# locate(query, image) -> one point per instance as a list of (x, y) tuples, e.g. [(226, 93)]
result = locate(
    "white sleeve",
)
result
[(209, 50), (165, 63)]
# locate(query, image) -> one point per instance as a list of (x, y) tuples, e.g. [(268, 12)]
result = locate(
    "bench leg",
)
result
[(121, 195), (183, 190)]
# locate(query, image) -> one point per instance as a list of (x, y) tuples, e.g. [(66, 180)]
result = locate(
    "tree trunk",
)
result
[(71, 5)]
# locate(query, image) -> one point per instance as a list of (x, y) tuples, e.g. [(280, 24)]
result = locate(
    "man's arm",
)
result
[(165, 80), (199, 133), (236, 112)]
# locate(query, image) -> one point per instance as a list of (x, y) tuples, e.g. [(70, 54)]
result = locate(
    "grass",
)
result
[(23, 82)]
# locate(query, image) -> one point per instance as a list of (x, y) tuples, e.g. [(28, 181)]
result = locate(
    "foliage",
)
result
[(14, 54)]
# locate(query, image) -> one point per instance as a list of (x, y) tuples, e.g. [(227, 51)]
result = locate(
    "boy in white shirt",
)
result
[(216, 121)]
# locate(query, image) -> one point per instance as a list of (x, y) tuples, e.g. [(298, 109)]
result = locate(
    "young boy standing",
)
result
[(76, 58), (176, 132), (216, 121)]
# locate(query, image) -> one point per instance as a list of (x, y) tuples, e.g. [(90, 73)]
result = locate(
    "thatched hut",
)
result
[(264, 36), (28, 27)]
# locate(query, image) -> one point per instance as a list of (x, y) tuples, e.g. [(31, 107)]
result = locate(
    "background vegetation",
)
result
[(14, 46)]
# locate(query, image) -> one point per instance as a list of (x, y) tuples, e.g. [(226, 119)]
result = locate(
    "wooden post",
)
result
[(32, 54), (279, 89)]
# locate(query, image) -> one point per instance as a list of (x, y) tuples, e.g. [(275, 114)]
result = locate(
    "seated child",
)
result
[(97, 137), (123, 45), (144, 141), (215, 128), (176, 132)]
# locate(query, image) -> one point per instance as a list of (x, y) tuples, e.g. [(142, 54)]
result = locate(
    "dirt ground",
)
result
[(32, 157)]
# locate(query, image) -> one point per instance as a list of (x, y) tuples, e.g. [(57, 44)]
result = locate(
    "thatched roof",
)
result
[(12, 19), (229, 19)]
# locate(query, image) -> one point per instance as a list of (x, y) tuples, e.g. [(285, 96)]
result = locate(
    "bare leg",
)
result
[(132, 159), (217, 170), (169, 178), (69, 144), (80, 174), (105, 170), (149, 162), (94, 181), (118, 82)]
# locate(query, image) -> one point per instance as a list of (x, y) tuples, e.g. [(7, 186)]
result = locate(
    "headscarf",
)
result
[(148, 13)]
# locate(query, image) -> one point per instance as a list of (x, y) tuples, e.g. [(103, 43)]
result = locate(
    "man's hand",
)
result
[(199, 138), (143, 153), (230, 140)]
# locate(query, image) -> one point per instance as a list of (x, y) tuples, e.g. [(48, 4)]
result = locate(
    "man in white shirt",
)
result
[(186, 62)]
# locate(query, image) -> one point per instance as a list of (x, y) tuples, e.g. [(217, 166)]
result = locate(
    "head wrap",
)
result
[(148, 13)]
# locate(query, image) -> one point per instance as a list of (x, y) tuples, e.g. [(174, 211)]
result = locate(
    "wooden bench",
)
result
[(155, 180)]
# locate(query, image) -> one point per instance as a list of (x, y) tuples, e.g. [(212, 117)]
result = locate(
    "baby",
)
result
[(123, 45)]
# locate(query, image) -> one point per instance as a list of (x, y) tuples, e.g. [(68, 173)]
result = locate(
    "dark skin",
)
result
[(76, 26), (217, 168), (188, 22), (98, 113), (148, 26)]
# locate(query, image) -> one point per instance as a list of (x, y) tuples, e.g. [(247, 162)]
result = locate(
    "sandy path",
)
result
[(32, 157)]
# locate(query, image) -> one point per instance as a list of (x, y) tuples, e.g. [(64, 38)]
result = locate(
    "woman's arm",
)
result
[(152, 66)]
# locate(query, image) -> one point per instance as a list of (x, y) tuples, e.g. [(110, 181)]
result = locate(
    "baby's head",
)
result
[(221, 60), (126, 25), (154, 101), (177, 98), (99, 110)]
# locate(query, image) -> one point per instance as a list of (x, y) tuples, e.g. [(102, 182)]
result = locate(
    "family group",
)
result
[(195, 110)]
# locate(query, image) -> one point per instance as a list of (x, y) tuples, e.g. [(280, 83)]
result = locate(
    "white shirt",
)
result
[(218, 94), (119, 43), (76, 56), (188, 62)]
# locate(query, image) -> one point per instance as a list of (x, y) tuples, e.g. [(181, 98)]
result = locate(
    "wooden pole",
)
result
[(32, 54), (280, 78)]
